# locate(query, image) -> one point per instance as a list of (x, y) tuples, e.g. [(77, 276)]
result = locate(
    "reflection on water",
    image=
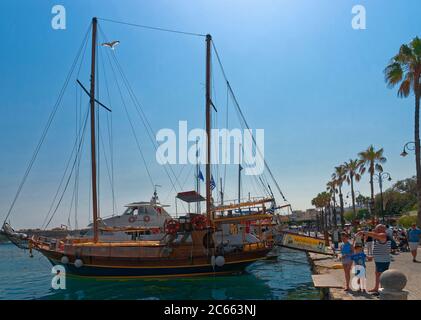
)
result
[(287, 278)]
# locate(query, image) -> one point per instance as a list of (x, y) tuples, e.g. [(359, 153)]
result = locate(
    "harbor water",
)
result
[(286, 278)]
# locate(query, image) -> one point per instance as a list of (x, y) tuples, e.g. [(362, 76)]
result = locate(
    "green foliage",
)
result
[(407, 221), (349, 216), (361, 214), (362, 200), (352, 168), (372, 160), (403, 69), (408, 185), (322, 200), (399, 199), (339, 175)]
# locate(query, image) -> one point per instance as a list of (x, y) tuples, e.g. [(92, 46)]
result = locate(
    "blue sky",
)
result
[(298, 69)]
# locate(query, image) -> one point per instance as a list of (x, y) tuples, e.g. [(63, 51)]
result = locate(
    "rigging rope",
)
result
[(131, 125), (226, 142), (106, 162), (110, 133), (47, 127), (71, 171), (143, 118), (132, 128), (153, 28), (244, 120)]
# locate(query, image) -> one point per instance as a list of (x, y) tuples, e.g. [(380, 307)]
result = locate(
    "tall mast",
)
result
[(239, 176), (93, 144), (208, 126), (222, 191), (197, 178)]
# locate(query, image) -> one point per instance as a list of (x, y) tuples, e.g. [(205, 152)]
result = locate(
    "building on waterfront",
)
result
[(302, 216)]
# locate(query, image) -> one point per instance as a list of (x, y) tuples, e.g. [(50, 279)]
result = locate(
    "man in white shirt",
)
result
[(389, 232)]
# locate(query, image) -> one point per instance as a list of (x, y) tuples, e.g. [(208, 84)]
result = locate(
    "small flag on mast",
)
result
[(212, 183), (201, 175)]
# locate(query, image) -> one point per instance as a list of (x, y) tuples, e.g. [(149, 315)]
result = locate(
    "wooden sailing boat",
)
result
[(192, 245)]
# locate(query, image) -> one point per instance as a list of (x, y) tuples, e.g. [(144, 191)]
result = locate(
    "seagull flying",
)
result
[(111, 44)]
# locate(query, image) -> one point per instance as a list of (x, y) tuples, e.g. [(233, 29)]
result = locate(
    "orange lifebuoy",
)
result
[(248, 223), (171, 226), (146, 218), (132, 219), (199, 222)]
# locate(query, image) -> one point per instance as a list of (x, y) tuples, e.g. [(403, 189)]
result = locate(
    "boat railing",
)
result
[(260, 203), (254, 246), (242, 200)]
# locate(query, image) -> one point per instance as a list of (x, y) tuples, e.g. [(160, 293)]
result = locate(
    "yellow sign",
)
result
[(299, 242)]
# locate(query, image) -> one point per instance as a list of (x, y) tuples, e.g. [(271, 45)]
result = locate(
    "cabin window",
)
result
[(130, 211)]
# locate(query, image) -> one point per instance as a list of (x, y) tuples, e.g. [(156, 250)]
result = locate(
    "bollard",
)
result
[(392, 283)]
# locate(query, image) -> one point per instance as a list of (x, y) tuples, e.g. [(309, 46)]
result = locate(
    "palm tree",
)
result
[(331, 188), (340, 176), (361, 200), (405, 69), (316, 202), (352, 169), (372, 161), (322, 202)]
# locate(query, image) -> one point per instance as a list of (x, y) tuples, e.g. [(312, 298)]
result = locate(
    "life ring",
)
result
[(171, 226), (146, 218), (132, 219), (248, 223), (199, 222)]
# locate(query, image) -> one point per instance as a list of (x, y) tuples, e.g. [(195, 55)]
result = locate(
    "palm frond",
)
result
[(416, 47), (405, 55), (404, 89), (393, 74), (404, 67)]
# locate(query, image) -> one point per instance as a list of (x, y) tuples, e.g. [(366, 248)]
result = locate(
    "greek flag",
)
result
[(212, 183), (272, 208), (201, 175)]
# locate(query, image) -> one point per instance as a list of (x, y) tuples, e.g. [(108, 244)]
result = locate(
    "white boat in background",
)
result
[(143, 220)]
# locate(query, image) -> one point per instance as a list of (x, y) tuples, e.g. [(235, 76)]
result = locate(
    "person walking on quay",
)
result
[(389, 233), (346, 253), (381, 252), (369, 244), (414, 235), (336, 235), (403, 242)]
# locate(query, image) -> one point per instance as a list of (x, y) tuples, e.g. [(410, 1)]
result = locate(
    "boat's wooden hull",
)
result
[(141, 268)]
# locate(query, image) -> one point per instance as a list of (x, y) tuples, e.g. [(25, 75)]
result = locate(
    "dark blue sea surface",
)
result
[(286, 278)]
